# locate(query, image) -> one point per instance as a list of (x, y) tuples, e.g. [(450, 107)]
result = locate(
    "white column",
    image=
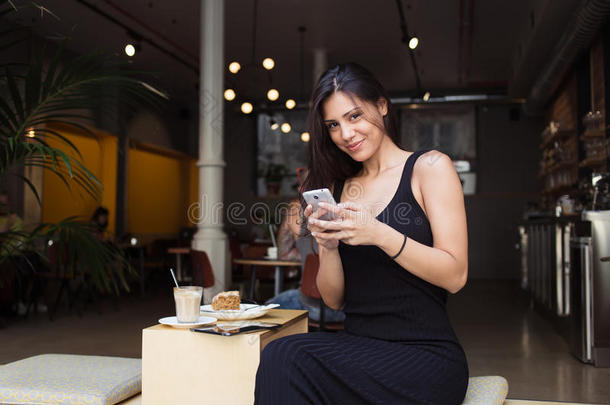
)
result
[(210, 236)]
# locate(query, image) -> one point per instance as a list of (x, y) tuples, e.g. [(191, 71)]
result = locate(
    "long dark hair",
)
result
[(327, 163)]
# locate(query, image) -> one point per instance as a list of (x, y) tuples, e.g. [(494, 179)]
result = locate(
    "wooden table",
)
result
[(179, 251), (278, 264), (184, 367)]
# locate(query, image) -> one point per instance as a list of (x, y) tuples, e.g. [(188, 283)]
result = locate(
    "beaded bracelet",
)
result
[(401, 248)]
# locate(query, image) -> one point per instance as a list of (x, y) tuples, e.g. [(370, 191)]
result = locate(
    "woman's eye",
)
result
[(354, 116), (331, 125)]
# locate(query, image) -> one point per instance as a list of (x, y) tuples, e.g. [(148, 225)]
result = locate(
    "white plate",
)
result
[(245, 311), (173, 321), (269, 257)]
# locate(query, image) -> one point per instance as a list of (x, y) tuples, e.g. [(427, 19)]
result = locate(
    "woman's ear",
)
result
[(382, 106)]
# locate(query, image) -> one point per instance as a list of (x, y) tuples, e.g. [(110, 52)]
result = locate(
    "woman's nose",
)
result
[(347, 132)]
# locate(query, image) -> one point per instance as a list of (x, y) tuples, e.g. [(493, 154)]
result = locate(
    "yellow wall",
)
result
[(161, 186), (100, 157)]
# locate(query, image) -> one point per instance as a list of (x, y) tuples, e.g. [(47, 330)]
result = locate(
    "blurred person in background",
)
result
[(99, 224), (295, 243)]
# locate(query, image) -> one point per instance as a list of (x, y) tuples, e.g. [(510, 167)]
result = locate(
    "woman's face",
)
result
[(102, 220), (350, 123)]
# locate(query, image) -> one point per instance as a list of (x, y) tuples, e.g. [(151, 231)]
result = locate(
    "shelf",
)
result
[(592, 162), (561, 134), (593, 133), (558, 166), (559, 189)]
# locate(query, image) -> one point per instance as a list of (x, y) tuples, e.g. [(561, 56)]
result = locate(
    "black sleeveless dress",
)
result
[(398, 346)]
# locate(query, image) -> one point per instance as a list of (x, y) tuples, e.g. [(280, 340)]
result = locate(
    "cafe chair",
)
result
[(310, 289), (58, 274), (203, 275)]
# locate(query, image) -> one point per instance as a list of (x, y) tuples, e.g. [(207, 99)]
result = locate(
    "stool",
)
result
[(488, 390), (66, 379)]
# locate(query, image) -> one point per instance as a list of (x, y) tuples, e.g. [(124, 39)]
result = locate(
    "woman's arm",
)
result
[(293, 218), (445, 264), (330, 279)]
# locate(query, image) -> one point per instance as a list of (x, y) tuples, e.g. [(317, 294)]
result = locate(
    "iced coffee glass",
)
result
[(188, 300)]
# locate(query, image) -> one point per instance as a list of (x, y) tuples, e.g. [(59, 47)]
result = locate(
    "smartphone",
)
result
[(314, 197), (230, 329)]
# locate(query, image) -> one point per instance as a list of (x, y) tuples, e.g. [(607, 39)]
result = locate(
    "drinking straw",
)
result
[(174, 277), (272, 235)]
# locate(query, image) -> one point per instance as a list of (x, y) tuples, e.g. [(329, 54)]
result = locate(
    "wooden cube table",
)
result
[(184, 367)]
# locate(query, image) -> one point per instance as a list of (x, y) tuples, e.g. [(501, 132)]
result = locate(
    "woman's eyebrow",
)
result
[(346, 114)]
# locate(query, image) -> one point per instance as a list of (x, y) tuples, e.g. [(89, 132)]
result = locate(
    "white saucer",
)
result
[(173, 321)]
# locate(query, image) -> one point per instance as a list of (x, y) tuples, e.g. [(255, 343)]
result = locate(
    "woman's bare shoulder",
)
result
[(434, 163)]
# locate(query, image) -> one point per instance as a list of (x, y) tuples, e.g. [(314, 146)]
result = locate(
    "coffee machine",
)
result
[(601, 188)]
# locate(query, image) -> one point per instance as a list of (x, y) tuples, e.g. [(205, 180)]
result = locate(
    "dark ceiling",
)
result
[(464, 44)]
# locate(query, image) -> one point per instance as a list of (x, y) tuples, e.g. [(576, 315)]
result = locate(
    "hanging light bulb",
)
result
[(246, 108), (268, 63), (229, 94), (234, 67), (305, 136), (426, 96), (286, 127), (290, 104), (273, 94), (413, 42), (274, 125), (130, 50)]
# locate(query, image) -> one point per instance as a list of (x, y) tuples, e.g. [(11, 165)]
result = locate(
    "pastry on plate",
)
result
[(226, 300)]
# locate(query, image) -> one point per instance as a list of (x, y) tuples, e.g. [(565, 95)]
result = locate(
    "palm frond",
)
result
[(45, 96), (77, 253)]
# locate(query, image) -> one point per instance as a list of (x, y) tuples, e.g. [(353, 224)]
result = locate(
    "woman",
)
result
[(99, 223), (288, 233), (398, 247)]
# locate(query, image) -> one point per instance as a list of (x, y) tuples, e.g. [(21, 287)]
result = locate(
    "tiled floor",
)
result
[(503, 336), (500, 334)]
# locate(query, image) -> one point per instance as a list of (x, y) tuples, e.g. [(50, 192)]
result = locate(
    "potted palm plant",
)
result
[(51, 91)]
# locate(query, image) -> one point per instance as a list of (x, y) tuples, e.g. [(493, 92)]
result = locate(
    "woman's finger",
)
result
[(327, 236), (351, 206), (328, 225), (308, 210), (336, 210)]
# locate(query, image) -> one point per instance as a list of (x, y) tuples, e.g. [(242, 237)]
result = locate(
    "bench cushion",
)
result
[(488, 390), (70, 379)]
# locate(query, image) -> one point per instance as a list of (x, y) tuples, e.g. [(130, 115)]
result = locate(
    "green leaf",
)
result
[(16, 97), (31, 187)]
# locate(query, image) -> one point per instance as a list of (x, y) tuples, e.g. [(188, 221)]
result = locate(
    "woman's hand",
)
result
[(356, 225), (316, 229)]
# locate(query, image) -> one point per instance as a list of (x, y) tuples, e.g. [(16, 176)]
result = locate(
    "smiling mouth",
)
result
[(354, 146)]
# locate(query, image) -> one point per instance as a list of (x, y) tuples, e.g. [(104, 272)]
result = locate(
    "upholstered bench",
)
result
[(70, 379), (488, 390)]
